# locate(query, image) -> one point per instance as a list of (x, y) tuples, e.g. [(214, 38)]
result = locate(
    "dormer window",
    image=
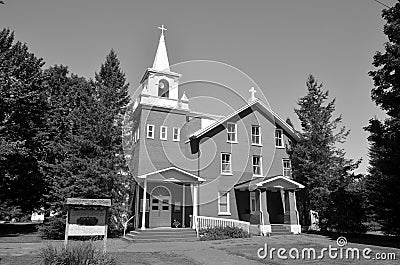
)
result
[(163, 88)]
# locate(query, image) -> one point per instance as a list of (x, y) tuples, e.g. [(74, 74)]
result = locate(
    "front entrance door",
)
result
[(160, 207)]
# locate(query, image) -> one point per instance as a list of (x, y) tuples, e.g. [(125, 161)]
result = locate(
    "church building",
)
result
[(193, 166)]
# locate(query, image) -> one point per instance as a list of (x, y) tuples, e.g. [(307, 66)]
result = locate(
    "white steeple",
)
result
[(161, 62)]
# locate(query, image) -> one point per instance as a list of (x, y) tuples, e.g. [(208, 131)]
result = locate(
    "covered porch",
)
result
[(269, 202), (166, 198)]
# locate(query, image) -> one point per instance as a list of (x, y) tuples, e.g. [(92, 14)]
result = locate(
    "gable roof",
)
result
[(291, 181), (259, 183), (172, 168), (278, 120)]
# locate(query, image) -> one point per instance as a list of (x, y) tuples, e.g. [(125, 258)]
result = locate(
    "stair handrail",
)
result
[(126, 223)]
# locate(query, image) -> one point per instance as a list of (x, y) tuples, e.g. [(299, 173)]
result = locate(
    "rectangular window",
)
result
[(165, 205), (226, 163), (176, 134), (256, 135), (287, 168), (223, 203), (154, 204), (163, 132), (279, 138), (257, 165), (150, 131), (231, 128)]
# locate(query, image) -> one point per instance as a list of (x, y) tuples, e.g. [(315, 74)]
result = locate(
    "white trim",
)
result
[(171, 168), (266, 229), (173, 134), (295, 229), (278, 120), (161, 133), (234, 132), (230, 161), (148, 131), (300, 186), (281, 138), (228, 206)]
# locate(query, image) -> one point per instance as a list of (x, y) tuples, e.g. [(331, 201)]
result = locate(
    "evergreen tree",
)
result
[(112, 94), (383, 181), (319, 164), (22, 118), (85, 130)]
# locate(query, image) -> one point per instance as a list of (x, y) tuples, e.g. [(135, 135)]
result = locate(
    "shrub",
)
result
[(53, 228), (217, 233), (82, 253)]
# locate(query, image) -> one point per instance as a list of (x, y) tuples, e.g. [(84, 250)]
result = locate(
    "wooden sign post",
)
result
[(87, 217)]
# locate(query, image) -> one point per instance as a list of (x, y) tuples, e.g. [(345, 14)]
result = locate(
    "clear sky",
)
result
[(277, 43)]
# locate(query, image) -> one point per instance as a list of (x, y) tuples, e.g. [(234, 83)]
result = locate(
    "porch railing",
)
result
[(203, 222)]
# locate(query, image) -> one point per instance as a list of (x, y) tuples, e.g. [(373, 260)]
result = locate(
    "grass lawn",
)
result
[(18, 260)]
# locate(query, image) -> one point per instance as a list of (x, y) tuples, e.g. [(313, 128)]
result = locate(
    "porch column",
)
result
[(183, 205), (282, 192), (292, 208), (266, 228), (195, 202), (144, 205), (137, 206), (293, 215)]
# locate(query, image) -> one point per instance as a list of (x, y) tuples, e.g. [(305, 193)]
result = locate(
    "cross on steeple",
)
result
[(162, 29), (252, 93)]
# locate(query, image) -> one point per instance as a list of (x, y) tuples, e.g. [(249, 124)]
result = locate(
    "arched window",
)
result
[(160, 191), (163, 88)]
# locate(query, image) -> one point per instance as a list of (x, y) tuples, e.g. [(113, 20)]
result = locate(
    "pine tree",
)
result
[(112, 94), (22, 118), (383, 181), (318, 163)]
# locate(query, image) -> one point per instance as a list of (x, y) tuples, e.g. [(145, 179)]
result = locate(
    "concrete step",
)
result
[(280, 228), (162, 235), (154, 240), (280, 233)]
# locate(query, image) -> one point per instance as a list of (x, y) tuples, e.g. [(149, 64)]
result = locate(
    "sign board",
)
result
[(87, 217)]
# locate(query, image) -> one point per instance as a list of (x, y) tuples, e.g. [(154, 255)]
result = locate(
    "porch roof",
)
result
[(172, 179), (277, 182)]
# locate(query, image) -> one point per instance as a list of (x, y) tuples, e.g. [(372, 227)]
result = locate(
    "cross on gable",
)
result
[(162, 29), (252, 93)]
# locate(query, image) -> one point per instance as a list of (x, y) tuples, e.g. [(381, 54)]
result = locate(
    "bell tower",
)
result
[(160, 86)]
